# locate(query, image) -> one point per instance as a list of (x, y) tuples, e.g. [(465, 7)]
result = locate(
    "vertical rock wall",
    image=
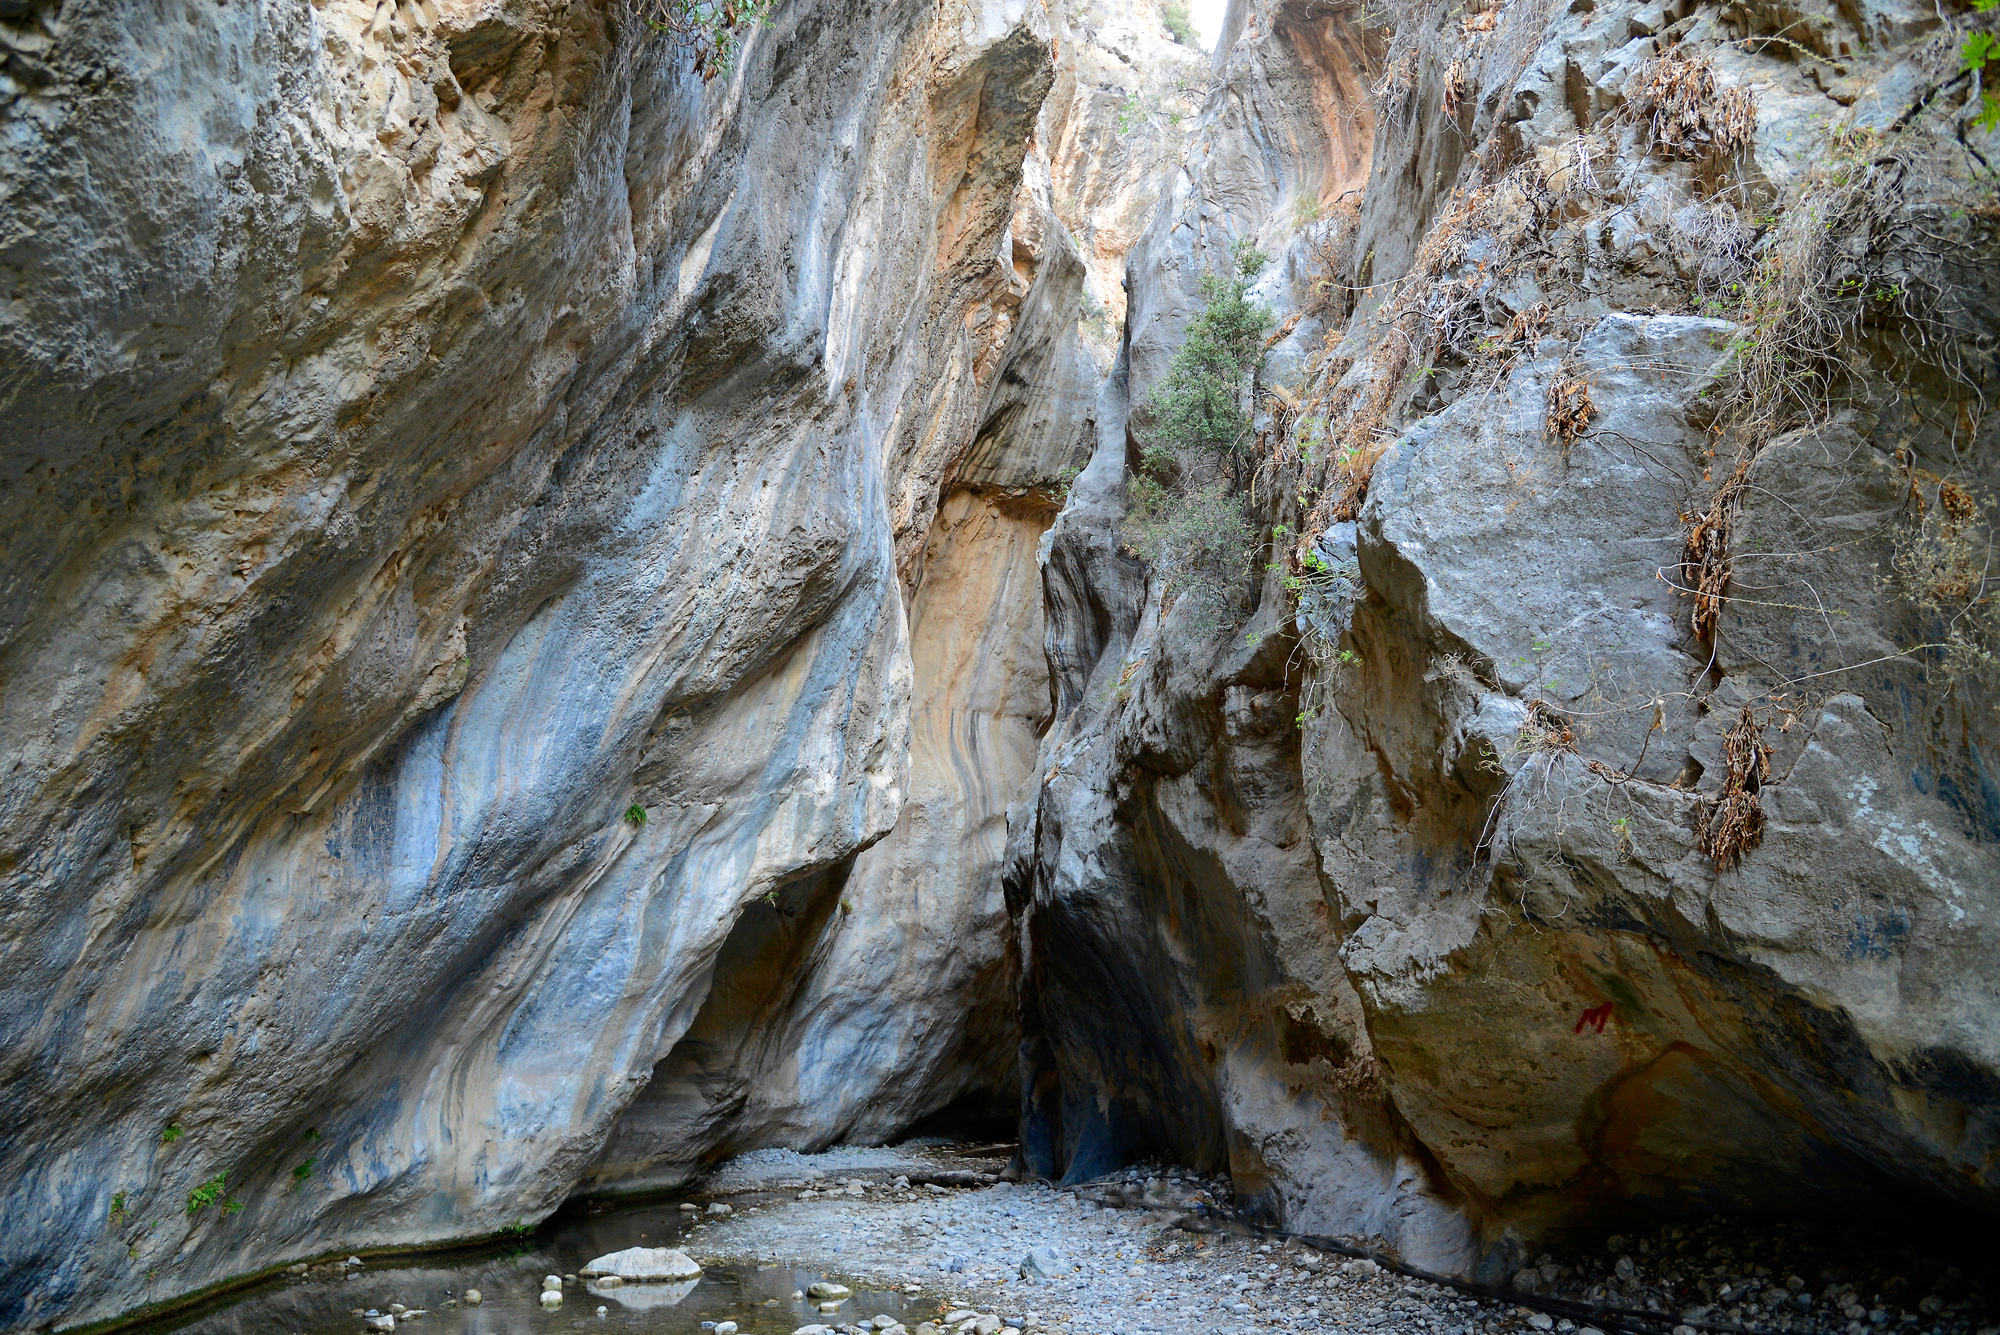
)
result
[(472, 492), (1398, 893)]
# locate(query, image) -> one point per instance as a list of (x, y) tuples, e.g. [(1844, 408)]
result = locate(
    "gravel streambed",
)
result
[(1125, 1263)]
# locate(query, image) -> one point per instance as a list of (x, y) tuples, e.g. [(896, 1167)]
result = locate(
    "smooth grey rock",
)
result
[(644, 1265), (1043, 1263), (456, 553), (827, 1288)]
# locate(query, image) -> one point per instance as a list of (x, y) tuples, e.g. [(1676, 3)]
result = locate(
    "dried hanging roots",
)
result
[(1546, 729), (1704, 564), (1734, 821), (1570, 409)]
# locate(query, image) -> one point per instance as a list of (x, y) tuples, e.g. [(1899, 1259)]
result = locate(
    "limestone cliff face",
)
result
[(549, 630), (485, 514), (1474, 881)]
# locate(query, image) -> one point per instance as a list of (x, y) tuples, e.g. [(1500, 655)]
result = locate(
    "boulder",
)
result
[(644, 1265)]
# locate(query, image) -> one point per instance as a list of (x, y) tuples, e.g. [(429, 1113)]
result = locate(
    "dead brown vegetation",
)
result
[(1570, 411), (1688, 114), (1944, 564), (1733, 822), (1704, 567)]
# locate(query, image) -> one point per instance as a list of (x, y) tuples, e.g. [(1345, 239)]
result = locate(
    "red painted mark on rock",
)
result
[(1594, 1017)]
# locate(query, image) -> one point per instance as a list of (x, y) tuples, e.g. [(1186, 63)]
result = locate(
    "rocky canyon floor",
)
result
[(934, 1237)]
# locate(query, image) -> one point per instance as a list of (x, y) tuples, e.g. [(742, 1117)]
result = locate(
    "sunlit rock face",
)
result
[(1369, 929), (475, 500)]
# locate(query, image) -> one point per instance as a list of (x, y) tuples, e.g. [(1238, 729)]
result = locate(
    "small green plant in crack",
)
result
[(1978, 56), (1132, 113), (1179, 24), (636, 814), (171, 1134), (208, 1193), (302, 1174), (118, 1207)]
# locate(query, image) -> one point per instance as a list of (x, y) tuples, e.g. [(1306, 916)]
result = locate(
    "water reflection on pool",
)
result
[(758, 1298)]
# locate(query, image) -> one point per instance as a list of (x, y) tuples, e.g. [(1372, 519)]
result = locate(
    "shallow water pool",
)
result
[(757, 1297)]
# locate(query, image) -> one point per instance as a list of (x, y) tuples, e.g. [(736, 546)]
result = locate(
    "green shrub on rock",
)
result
[(1186, 514)]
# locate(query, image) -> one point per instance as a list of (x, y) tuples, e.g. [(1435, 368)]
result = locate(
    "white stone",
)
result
[(646, 1265)]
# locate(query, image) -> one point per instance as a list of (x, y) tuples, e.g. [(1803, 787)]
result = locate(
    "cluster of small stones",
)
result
[(1779, 1278)]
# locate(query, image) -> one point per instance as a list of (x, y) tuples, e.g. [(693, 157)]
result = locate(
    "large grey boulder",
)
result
[(644, 1265)]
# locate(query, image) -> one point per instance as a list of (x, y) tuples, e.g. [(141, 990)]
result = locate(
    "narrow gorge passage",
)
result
[(1026, 667)]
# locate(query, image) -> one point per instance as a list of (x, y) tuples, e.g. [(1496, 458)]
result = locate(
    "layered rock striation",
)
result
[(562, 619), (485, 517)]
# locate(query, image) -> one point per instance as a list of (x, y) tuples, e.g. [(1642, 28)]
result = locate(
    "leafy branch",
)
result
[(712, 29)]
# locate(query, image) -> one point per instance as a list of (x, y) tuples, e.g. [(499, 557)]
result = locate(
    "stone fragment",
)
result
[(1042, 1263), (719, 1210), (826, 1288), (551, 1298), (473, 1298), (385, 1322)]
